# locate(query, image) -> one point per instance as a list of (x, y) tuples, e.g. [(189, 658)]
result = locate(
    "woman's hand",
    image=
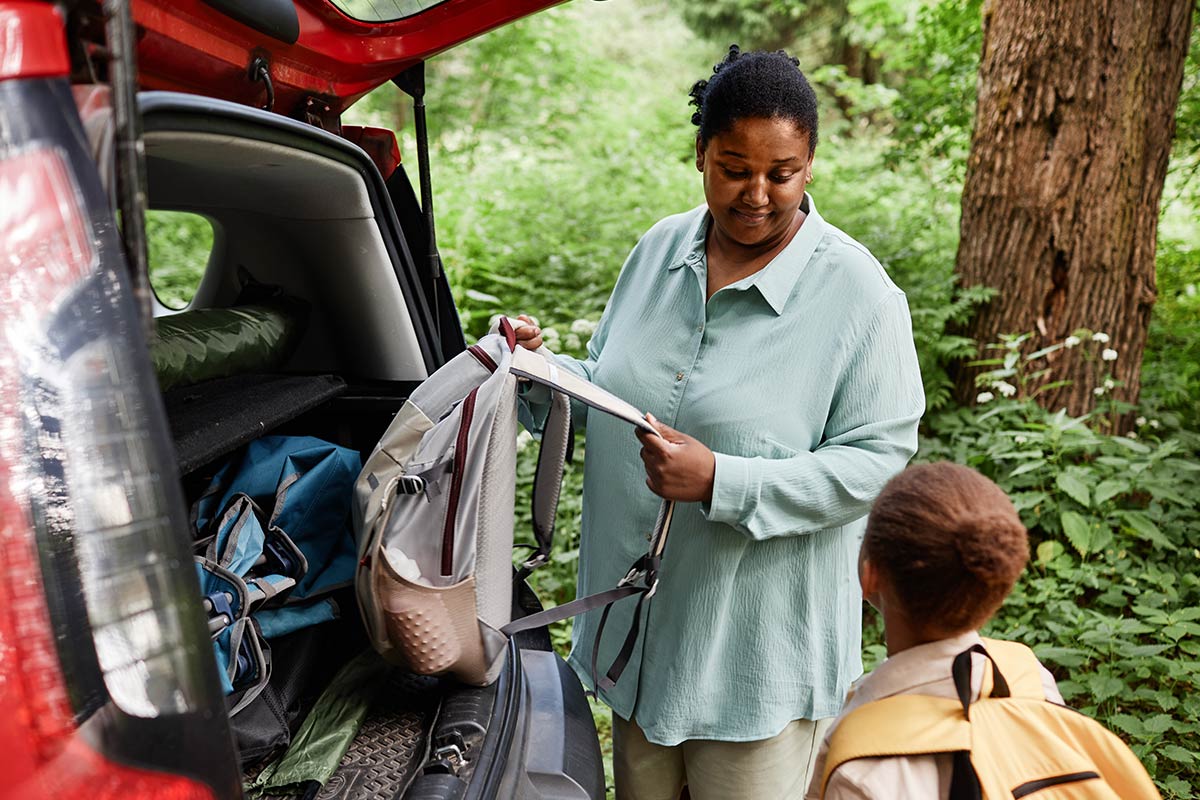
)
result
[(678, 467), (529, 335)]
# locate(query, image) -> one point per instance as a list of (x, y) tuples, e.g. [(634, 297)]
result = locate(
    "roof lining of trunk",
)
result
[(206, 169), (302, 221)]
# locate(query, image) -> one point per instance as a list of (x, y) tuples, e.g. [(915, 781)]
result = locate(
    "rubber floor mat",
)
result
[(391, 745)]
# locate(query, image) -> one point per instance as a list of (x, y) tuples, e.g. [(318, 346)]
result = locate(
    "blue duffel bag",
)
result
[(273, 542)]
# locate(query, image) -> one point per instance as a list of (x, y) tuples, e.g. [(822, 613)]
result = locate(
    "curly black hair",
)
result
[(758, 84)]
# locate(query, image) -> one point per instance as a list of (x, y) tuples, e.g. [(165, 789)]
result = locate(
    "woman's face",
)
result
[(754, 178)]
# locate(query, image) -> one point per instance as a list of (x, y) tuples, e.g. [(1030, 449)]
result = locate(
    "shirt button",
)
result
[(678, 376), (700, 329)]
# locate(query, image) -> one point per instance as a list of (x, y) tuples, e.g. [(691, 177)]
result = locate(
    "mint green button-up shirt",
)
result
[(803, 380)]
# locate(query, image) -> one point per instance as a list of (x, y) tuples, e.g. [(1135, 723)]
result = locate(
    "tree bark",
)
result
[(1076, 112)]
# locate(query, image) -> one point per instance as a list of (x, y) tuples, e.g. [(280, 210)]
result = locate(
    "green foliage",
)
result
[(548, 185), (179, 244), (753, 24), (1171, 367), (936, 109), (1111, 601), (1185, 160)]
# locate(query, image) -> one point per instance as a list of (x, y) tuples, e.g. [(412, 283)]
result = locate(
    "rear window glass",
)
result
[(384, 10), (179, 245)]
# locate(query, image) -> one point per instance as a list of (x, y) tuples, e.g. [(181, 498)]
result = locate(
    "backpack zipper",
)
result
[(1036, 786), (482, 357), (460, 463)]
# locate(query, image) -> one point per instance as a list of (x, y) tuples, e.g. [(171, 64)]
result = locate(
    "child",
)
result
[(943, 548)]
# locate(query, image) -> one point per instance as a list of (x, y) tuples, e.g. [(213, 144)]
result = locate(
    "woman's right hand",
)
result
[(529, 335)]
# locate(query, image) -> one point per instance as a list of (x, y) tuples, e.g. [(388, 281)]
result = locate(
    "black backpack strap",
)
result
[(547, 481), (961, 670), (574, 608), (964, 782), (641, 579)]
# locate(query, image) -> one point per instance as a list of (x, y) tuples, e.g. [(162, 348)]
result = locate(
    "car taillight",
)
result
[(105, 668), (31, 40), (44, 758)]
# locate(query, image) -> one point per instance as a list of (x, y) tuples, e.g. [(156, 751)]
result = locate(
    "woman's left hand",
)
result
[(678, 467)]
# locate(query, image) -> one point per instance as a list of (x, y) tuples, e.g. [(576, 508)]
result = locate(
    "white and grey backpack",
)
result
[(433, 513)]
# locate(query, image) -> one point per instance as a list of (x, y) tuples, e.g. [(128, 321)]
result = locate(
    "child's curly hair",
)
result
[(951, 543)]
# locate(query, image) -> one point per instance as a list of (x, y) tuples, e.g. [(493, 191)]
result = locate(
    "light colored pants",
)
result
[(778, 768)]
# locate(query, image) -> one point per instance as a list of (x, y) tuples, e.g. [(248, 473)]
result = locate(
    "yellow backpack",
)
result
[(1010, 743)]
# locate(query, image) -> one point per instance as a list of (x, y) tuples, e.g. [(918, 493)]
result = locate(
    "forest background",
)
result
[(557, 141)]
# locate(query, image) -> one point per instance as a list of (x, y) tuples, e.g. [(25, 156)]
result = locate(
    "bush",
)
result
[(1111, 599)]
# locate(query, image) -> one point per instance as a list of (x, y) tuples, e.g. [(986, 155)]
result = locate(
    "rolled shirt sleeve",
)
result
[(870, 435)]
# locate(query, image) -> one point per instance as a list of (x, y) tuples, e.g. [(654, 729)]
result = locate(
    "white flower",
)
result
[(549, 335), (1109, 354), (583, 327), (572, 341), (1110, 384), (1070, 341), (1100, 337), (1140, 421), (1005, 388), (984, 397), (1098, 391), (1020, 439), (1154, 424), (523, 439), (1131, 435)]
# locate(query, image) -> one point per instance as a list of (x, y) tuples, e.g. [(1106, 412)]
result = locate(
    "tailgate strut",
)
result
[(130, 154), (412, 82)]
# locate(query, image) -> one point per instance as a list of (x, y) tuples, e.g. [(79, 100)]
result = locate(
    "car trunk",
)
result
[(302, 211)]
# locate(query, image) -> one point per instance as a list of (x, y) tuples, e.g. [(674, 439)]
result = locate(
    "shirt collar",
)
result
[(916, 666), (776, 280)]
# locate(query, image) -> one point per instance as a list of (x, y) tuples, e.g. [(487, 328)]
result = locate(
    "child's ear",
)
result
[(869, 578)]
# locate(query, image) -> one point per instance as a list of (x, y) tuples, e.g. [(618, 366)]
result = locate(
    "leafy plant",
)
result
[(1111, 601), (179, 244)]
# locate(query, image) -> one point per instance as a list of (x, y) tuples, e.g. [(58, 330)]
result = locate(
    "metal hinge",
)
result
[(449, 754)]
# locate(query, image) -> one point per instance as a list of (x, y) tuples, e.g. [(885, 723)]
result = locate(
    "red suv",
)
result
[(108, 684)]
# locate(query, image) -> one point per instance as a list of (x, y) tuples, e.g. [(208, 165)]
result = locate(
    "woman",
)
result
[(779, 357)]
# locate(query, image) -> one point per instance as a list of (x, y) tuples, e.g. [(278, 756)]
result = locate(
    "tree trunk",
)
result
[(1073, 130)]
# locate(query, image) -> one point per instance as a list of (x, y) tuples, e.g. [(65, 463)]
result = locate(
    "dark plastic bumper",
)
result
[(561, 752)]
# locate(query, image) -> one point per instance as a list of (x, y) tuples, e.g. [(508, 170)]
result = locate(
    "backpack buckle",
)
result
[(631, 577), (410, 484), (219, 608), (644, 571), (537, 561)]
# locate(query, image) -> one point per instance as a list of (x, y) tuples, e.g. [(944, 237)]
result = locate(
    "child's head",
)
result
[(948, 545)]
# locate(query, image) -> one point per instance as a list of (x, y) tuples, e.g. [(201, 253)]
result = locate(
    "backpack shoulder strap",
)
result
[(1020, 667), (902, 725), (547, 481)]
